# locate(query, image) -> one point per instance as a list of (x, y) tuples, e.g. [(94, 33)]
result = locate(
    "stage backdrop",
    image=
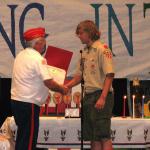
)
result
[(124, 26)]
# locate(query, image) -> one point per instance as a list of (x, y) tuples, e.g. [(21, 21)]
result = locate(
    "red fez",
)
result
[(34, 33)]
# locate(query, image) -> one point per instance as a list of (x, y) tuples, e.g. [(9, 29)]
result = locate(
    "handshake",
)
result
[(64, 90), (54, 86)]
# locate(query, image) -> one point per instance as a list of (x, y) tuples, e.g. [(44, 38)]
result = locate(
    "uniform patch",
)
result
[(93, 69), (105, 46), (108, 54)]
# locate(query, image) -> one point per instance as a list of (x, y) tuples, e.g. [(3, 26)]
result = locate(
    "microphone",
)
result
[(81, 62), (81, 59)]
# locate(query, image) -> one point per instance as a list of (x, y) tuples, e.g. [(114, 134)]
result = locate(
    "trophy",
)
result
[(57, 98), (77, 99), (74, 112), (47, 103), (67, 99)]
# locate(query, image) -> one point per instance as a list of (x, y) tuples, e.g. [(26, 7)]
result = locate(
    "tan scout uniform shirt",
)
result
[(97, 62)]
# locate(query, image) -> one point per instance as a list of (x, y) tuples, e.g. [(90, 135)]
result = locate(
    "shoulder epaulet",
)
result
[(107, 52)]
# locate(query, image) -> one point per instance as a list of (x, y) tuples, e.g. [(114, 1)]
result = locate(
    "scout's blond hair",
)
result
[(89, 27)]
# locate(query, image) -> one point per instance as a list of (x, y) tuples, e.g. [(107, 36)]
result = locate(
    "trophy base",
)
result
[(72, 113)]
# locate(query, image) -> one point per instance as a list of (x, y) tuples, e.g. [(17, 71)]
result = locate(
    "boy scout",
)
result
[(96, 66)]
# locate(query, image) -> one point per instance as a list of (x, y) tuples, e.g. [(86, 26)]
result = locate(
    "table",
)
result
[(59, 132), (130, 133)]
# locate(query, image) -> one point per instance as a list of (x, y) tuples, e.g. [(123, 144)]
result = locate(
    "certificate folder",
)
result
[(58, 57)]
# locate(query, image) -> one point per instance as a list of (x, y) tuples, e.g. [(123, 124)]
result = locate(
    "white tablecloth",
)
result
[(62, 133)]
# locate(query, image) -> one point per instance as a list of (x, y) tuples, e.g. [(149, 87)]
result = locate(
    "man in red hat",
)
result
[(31, 82)]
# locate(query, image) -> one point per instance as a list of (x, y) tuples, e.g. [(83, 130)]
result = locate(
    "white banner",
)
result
[(124, 26)]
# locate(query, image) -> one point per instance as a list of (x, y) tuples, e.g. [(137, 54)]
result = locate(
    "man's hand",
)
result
[(54, 86), (65, 90)]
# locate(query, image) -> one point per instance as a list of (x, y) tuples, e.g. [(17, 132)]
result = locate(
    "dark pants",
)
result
[(27, 119)]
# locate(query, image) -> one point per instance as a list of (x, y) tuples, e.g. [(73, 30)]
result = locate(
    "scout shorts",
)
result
[(96, 123)]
